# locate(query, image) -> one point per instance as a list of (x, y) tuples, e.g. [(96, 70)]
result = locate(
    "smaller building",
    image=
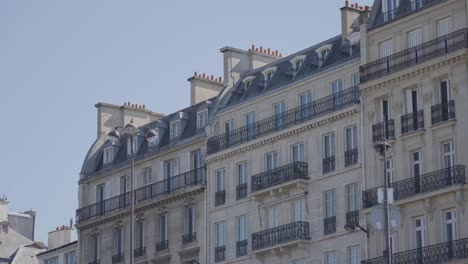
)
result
[(62, 247)]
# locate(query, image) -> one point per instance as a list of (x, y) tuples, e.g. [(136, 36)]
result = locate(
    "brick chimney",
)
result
[(204, 87)]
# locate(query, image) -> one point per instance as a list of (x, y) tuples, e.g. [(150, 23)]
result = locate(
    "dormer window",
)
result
[(389, 8), (108, 155), (248, 81), (323, 52), (175, 129), (297, 63), (202, 118), (129, 145), (247, 84), (268, 74)]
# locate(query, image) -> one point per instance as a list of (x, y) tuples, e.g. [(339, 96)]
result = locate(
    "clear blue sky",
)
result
[(58, 58)]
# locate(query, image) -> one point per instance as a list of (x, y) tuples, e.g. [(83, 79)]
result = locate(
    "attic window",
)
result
[(389, 8), (108, 155), (202, 118), (248, 81), (324, 54), (175, 129), (129, 143), (297, 63), (268, 74)]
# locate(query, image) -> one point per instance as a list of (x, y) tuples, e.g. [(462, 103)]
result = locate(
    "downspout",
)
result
[(363, 169)]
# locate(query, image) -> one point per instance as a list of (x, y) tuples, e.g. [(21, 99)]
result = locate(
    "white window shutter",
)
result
[(176, 166), (108, 189), (185, 162), (93, 194), (160, 171)]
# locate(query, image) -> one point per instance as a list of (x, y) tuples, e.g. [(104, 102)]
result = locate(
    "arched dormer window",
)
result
[(268, 74), (323, 52), (297, 62), (248, 81)]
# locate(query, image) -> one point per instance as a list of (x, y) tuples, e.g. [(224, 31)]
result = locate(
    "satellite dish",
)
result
[(377, 218)]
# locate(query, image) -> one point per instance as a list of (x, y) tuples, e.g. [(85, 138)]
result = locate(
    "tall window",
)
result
[(298, 211), (271, 161), (242, 172), (220, 180), (190, 220), (448, 154), (168, 169), (305, 98), (329, 144), (449, 225), (330, 257), (354, 255), (280, 109), (419, 232), (175, 129), (351, 138), (197, 159), (355, 79), (202, 118), (70, 258), (118, 238), (352, 194), (94, 245), (242, 228), (385, 111), (146, 176), (228, 129), (336, 86), (273, 215), (131, 147), (414, 38), (444, 26), (330, 203), (139, 234), (389, 172), (53, 260), (298, 152), (108, 155), (220, 234), (411, 101), (100, 193), (417, 165), (163, 227), (250, 120), (124, 184), (385, 48)]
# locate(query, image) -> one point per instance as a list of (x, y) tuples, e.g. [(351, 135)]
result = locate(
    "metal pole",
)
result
[(132, 202), (387, 205)]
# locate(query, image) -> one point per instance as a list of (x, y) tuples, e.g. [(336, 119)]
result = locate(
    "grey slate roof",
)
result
[(338, 54), (10, 242), (188, 117)]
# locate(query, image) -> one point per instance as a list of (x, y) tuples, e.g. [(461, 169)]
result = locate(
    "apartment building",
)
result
[(169, 180), (62, 247), (285, 156), (414, 90)]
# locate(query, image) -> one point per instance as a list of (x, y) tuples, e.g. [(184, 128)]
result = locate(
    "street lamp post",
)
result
[(131, 130)]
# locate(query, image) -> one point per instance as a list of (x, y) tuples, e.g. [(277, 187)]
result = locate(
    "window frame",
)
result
[(175, 128), (108, 155), (202, 118)]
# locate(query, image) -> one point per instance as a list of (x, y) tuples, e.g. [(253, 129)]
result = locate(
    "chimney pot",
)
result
[(256, 49), (268, 50), (203, 75), (253, 47), (195, 74), (261, 49), (346, 3), (366, 8)]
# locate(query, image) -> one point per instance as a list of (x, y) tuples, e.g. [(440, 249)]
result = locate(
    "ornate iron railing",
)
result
[(280, 175), (241, 248), (285, 120), (443, 112), (139, 252), (438, 253), (425, 183), (190, 178), (378, 131), (220, 253), (172, 184), (220, 197), (117, 258), (351, 157), (189, 238), (241, 191), (162, 245), (328, 164), (412, 122), (415, 55), (352, 217), (329, 225), (280, 234)]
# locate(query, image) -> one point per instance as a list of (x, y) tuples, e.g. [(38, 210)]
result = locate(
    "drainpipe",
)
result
[(207, 221), (363, 169)]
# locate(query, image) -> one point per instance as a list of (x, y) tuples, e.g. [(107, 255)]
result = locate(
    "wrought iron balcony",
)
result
[(241, 248), (117, 258), (421, 53), (189, 238), (285, 120), (412, 122), (103, 207), (378, 131), (328, 164), (220, 197), (280, 235), (280, 175), (439, 253), (162, 245), (443, 112), (97, 261), (329, 225), (139, 252), (220, 253), (351, 157), (352, 217), (241, 191), (425, 183)]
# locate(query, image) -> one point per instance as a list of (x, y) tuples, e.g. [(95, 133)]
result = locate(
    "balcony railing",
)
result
[(328, 164), (117, 258), (378, 131), (285, 120), (329, 225), (281, 234), (415, 55), (97, 261), (162, 245), (189, 238), (172, 184), (425, 183), (439, 253), (412, 122), (351, 157), (280, 175), (241, 191), (220, 197), (241, 248), (443, 112), (352, 217), (139, 252), (190, 178), (220, 253)]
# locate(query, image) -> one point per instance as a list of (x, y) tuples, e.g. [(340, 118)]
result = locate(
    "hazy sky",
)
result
[(58, 58)]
